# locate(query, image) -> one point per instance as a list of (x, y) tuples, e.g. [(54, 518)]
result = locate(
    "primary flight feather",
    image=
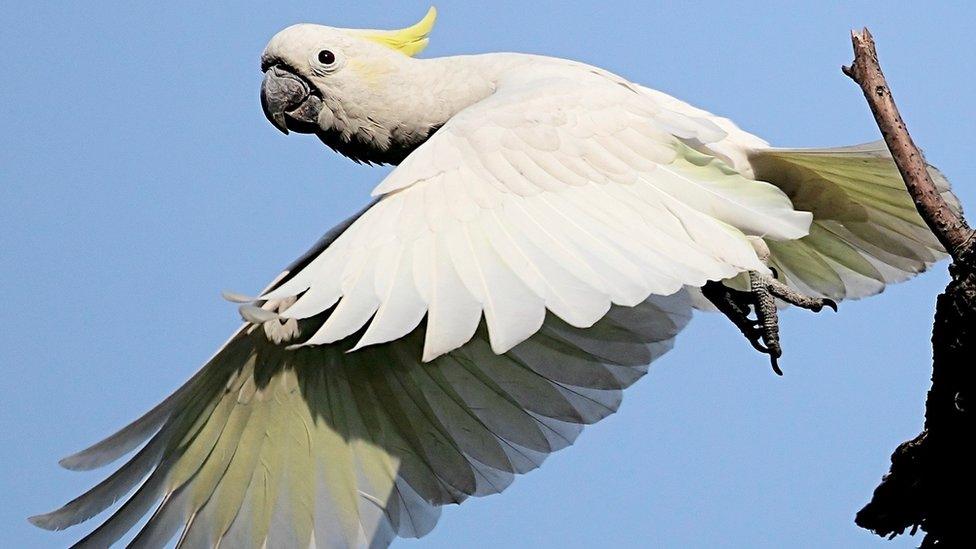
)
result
[(547, 232)]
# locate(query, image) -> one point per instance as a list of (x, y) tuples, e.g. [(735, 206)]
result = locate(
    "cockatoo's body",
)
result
[(542, 240)]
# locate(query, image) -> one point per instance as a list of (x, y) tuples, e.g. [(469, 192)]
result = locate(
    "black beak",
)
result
[(285, 95)]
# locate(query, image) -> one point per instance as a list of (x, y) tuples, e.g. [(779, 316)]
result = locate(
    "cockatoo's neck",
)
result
[(446, 85), (397, 107), (440, 88)]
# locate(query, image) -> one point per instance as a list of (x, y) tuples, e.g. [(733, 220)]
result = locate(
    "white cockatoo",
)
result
[(547, 232)]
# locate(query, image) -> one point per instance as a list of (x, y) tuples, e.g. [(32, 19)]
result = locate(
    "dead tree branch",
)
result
[(932, 481), (951, 229)]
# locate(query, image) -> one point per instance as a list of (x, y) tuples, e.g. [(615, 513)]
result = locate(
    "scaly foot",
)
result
[(763, 331)]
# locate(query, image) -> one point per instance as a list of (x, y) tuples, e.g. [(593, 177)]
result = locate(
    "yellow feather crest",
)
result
[(409, 41)]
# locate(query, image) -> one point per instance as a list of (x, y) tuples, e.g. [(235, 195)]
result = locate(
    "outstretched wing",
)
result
[(316, 446), (558, 193)]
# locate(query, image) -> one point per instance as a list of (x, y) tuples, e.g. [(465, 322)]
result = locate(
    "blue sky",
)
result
[(138, 178)]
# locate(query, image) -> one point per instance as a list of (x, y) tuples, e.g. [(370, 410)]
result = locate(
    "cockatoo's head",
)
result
[(347, 86)]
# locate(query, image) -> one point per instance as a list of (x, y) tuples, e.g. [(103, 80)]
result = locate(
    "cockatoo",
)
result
[(548, 231)]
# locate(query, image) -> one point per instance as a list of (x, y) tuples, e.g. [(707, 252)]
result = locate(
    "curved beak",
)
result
[(287, 97)]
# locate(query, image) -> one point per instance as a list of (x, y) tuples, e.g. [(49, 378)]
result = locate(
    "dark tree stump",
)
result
[(932, 481)]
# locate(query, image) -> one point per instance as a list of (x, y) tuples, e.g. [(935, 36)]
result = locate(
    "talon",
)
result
[(774, 271), (819, 305), (776, 368), (757, 345)]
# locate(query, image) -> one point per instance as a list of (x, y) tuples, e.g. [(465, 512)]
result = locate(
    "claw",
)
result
[(776, 368), (757, 345), (818, 305)]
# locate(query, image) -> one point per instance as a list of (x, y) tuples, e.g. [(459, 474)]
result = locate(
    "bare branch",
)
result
[(956, 237)]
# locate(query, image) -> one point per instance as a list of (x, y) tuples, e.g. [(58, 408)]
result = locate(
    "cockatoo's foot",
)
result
[(736, 305), (760, 282), (763, 331)]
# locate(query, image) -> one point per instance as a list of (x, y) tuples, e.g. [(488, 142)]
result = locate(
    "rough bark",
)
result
[(932, 481)]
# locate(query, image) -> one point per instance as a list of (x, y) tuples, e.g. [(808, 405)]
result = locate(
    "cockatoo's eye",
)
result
[(326, 57)]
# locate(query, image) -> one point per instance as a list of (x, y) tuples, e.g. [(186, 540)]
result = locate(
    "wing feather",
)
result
[(319, 446)]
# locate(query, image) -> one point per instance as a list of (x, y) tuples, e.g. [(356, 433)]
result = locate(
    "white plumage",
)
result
[(567, 193), (540, 243)]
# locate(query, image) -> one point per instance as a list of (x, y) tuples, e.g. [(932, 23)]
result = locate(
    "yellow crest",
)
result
[(410, 41)]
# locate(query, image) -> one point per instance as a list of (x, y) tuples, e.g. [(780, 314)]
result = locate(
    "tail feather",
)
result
[(866, 232)]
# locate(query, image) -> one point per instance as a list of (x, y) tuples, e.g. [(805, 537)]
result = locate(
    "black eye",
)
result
[(326, 57)]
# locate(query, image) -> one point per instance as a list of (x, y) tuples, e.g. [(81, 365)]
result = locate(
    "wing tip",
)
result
[(79, 462), (45, 522)]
